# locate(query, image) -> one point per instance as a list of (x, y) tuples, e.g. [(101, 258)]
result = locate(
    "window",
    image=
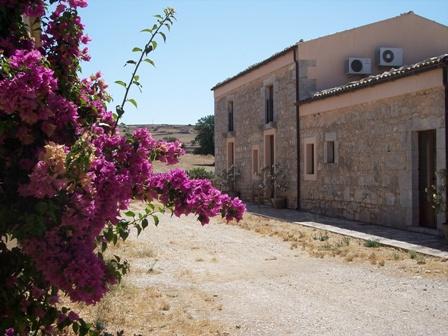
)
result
[(310, 162), (330, 148), (230, 116), (255, 163), (329, 152), (269, 150), (230, 154), (269, 97)]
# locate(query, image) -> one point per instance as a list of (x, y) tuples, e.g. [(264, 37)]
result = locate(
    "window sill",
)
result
[(310, 177), (270, 125), (229, 134)]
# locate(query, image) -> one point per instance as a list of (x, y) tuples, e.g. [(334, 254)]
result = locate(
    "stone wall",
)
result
[(249, 129), (375, 178)]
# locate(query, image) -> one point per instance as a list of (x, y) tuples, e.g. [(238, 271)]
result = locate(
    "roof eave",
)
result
[(254, 67), (441, 64)]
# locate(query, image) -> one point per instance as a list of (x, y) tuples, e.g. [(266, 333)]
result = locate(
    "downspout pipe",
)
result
[(296, 62), (445, 85)]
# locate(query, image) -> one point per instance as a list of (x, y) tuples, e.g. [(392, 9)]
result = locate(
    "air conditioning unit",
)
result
[(390, 57), (358, 66)]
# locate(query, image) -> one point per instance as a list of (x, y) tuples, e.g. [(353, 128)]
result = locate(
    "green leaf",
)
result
[(168, 26), (136, 49), (119, 82), (154, 45), (75, 327), (147, 30), (158, 16), (130, 213), (148, 49), (163, 35), (131, 62), (156, 220), (144, 223), (119, 111), (133, 102), (150, 61)]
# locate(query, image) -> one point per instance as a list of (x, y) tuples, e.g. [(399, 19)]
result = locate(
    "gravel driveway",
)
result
[(259, 286)]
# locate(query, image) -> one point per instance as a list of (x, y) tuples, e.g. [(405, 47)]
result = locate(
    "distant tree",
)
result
[(205, 138)]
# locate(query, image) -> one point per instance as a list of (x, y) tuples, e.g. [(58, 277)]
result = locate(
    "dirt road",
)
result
[(244, 283)]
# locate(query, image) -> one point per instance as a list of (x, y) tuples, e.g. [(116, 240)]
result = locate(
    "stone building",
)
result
[(357, 119)]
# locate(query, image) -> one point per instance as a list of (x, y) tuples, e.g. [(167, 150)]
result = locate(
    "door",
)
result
[(427, 176)]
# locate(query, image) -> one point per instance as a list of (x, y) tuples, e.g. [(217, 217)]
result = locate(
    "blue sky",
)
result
[(212, 40)]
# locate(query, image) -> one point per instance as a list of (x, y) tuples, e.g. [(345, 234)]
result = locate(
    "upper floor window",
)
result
[(329, 152), (330, 148), (269, 97), (230, 116)]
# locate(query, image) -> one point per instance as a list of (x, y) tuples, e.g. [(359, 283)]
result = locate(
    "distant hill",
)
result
[(184, 133)]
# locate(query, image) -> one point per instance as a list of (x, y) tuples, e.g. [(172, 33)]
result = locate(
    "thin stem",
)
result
[(145, 52)]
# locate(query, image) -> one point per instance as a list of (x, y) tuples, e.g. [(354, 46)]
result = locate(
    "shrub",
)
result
[(67, 173), (200, 173), (372, 243)]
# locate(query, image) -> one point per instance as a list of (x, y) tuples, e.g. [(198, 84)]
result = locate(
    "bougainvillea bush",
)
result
[(68, 172)]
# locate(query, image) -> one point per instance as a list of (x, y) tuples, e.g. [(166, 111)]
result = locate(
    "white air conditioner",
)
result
[(390, 57), (358, 66)]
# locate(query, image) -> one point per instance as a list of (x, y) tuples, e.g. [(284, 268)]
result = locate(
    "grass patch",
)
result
[(372, 243), (412, 254), (321, 243), (321, 236)]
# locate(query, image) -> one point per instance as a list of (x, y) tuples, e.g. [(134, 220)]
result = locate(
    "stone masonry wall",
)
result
[(249, 127), (375, 178)]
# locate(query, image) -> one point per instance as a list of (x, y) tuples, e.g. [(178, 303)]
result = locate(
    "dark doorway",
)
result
[(426, 176)]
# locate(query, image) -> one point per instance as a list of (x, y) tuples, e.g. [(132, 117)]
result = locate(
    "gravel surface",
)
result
[(257, 285)]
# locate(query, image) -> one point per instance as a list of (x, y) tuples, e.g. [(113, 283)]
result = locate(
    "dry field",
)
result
[(189, 161), (267, 277), (185, 134)]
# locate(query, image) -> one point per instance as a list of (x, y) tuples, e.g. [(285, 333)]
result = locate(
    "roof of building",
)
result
[(393, 74), (254, 66), (286, 50)]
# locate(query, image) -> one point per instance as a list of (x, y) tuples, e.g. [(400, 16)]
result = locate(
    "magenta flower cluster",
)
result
[(30, 96), (193, 196), (67, 172)]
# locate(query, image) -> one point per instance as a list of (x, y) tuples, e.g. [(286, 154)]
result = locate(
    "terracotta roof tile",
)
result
[(407, 70)]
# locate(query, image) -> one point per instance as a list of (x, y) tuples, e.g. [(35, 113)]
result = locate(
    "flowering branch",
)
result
[(67, 174)]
